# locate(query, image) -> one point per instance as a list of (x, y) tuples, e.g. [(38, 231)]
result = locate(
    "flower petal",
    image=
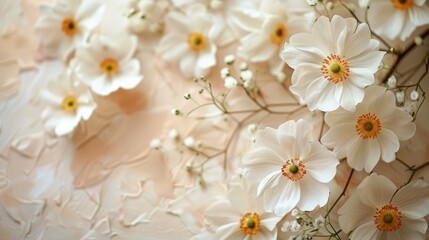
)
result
[(389, 145), (365, 231), (377, 191), (313, 194), (413, 199), (321, 163)]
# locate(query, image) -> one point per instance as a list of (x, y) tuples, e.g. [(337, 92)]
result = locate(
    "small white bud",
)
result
[(244, 66), (146, 5), (246, 75), (295, 227), (216, 4), (410, 107), (187, 96), (229, 59), (224, 72), (230, 82), (294, 213), (176, 112), (250, 84), (174, 134), (137, 24), (364, 3), (252, 128), (155, 143), (414, 95), (330, 5), (286, 226), (311, 2), (418, 40), (400, 97), (319, 221), (391, 82), (281, 77), (189, 142)]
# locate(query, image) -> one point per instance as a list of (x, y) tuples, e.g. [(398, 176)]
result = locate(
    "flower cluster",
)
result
[(289, 119), (96, 63)]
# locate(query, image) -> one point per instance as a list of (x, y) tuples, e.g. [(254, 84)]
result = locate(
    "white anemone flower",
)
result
[(334, 70), (371, 132), (266, 30), (241, 216), (397, 18), (69, 101), (191, 41), (107, 64), (378, 210), (290, 169), (67, 24)]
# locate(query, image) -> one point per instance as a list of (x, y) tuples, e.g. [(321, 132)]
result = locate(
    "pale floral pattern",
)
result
[(107, 64), (372, 132), (290, 168), (100, 152), (378, 210), (334, 70), (67, 24)]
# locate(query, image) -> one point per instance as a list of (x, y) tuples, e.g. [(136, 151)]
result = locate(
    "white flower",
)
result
[(290, 169), (224, 72), (371, 132), (230, 82), (334, 70), (311, 2), (364, 3), (69, 101), (266, 30), (391, 82), (400, 96), (156, 143), (378, 210), (414, 95), (246, 75), (241, 216), (107, 65), (189, 142), (397, 18), (67, 24), (229, 59), (190, 40), (418, 40)]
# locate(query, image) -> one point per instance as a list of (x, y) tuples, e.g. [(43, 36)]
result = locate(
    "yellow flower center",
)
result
[(368, 126), (109, 66), (402, 4), (69, 104), (69, 27), (388, 218), (294, 169), (250, 223), (197, 41), (335, 69), (278, 36)]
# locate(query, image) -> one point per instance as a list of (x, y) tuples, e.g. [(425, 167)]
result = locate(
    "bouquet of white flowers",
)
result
[(214, 119)]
